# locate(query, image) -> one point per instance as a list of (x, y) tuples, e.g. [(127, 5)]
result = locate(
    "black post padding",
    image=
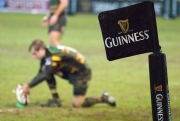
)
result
[(173, 9), (160, 100)]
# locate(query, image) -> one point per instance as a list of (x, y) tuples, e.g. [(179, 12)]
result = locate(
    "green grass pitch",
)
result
[(127, 80)]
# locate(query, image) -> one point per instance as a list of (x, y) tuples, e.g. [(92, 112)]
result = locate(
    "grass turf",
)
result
[(126, 79)]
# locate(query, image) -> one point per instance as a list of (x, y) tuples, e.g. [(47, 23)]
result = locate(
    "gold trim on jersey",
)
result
[(80, 58), (67, 51), (53, 8), (56, 58), (73, 70), (54, 64)]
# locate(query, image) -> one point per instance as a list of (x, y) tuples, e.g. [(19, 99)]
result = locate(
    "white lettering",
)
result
[(136, 36), (130, 37), (159, 98), (110, 43), (141, 35), (169, 108), (115, 44), (147, 35), (120, 42), (126, 39)]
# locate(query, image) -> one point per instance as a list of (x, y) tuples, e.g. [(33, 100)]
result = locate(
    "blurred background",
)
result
[(165, 8)]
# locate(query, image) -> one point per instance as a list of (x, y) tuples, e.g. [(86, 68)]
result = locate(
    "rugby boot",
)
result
[(108, 99), (52, 103)]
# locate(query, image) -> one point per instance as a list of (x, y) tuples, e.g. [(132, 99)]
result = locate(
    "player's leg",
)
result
[(57, 30), (90, 101), (81, 83), (54, 38), (52, 86), (55, 101), (78, 101), (79, 91), (104, 98), (81, 101)]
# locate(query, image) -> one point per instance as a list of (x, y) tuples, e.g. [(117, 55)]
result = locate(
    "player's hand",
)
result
[(44, 21), (25, 89), (53, 19)]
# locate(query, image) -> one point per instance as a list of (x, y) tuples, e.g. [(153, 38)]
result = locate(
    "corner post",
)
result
[(160, 98)]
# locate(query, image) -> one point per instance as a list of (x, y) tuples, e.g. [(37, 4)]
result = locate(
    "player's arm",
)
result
[(46, 70), (26, 86), (41, 76), (61, 8), (44, 21)]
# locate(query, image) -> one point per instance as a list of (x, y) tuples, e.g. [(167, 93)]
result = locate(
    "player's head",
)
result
[(37, 49)]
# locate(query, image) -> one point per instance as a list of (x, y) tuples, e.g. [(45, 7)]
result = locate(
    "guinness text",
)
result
[(126, 39)]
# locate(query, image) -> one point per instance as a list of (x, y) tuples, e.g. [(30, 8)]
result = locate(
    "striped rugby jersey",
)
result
[(65, 59), (53, 5)]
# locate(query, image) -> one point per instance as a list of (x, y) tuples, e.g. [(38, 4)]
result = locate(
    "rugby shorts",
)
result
[(59, 25)]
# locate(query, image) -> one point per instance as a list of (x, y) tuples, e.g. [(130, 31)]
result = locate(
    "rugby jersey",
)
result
[(60, 59)]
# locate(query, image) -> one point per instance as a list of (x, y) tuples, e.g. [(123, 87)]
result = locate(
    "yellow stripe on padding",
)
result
[(56, 58)]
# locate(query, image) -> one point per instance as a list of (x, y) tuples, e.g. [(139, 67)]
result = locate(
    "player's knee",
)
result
[(77, 105)]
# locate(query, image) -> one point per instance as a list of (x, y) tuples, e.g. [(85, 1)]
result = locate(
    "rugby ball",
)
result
[(20, 96)]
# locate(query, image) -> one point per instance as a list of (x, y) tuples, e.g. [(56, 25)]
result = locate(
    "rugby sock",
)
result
[(52, 86), (88, 102), (104, 99), (54, 93)]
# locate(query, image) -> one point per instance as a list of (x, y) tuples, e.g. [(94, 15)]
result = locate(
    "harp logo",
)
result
[(126, 38), (124, 25), (158, 88)]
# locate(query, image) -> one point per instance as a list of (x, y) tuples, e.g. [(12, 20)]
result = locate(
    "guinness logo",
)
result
[(124, 24), (158, 88)]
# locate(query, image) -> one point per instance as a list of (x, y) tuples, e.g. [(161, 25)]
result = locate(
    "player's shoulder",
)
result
[(52, 49), (61, 49), (66, 49)]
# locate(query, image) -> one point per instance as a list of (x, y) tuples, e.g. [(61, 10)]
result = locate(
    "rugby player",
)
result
[(56, 20), (69, 64)]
